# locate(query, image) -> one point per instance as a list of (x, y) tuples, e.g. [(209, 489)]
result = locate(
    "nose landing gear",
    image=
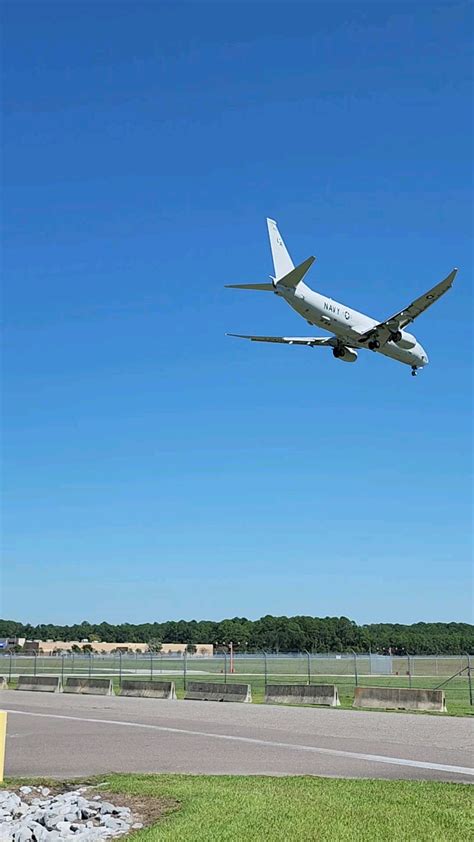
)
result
[(414, 371)]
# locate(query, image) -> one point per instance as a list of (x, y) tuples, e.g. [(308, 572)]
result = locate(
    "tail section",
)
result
[(281, 259), (286, 275)]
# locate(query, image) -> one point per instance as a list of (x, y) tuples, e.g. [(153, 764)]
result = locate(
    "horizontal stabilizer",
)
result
[(261, 287), (293, 278)]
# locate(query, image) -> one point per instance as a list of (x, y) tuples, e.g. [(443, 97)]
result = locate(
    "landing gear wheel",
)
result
[(374, 344), (395, 337), (414, 371)]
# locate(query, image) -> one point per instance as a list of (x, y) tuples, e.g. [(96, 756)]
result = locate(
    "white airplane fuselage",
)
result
[(348, 324)]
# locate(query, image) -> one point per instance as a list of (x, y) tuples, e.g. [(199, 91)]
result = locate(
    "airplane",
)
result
[(352, 331)]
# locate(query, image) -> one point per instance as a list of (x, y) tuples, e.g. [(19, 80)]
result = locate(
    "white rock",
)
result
[(106, 807), (11, 802), (23, 834), (114, 824), (25, 790), (82, 803), (40, 832)]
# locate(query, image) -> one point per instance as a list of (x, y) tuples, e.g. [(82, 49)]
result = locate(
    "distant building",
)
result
[(179, 648), (7, 643), (57, 647)]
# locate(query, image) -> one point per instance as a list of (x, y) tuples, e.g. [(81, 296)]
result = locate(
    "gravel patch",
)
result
[(38, 814)]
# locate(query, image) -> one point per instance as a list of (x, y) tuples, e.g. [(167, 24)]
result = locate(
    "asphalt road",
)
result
[(60, 736)]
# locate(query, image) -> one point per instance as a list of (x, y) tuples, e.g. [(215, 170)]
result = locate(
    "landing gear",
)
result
[(414, 371), (374, 344), (395, 337), (339, 352)]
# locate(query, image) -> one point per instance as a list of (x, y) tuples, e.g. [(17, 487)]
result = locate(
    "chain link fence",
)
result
[(453, 673)]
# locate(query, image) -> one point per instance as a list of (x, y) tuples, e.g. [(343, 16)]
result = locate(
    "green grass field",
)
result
[(232, 809), (441, 667)]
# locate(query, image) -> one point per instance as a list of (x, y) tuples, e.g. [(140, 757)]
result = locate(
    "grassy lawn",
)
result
[(232, 809)]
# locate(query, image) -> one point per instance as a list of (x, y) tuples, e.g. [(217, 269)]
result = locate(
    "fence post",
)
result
[(120, 669), (469, 678), (72, 670), (309, 666), (90, 664), (356, 677), (151, 666), (34, 663), (225, 668), (184, 669), (62, 669), (10, 667), (265, 669), (409, 669)]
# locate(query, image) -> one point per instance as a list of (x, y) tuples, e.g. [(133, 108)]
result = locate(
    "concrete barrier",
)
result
[(302, 694), (93, 686), (3, 683), (148, 689), (207, 691), (40, 683), (399, 698)]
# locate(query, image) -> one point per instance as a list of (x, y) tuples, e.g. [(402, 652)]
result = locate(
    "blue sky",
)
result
[(154, 468)]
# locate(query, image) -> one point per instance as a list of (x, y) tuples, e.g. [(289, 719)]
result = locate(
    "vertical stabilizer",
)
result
[(281, 259)]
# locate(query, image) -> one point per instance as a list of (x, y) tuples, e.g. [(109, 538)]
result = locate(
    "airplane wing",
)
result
[(311, 341), (400, 320)]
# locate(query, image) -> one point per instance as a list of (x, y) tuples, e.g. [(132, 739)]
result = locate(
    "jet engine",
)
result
[(347, 355), (403, 339)]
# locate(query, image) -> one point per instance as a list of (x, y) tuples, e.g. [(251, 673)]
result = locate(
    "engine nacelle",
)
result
[(347, 355), (407, 341)]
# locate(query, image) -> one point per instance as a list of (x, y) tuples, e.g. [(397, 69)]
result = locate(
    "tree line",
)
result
[(270, 634)]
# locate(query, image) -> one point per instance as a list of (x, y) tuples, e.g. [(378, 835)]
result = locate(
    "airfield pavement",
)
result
[(61, 736)]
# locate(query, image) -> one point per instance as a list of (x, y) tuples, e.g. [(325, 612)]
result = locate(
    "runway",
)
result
[(61, 736)]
